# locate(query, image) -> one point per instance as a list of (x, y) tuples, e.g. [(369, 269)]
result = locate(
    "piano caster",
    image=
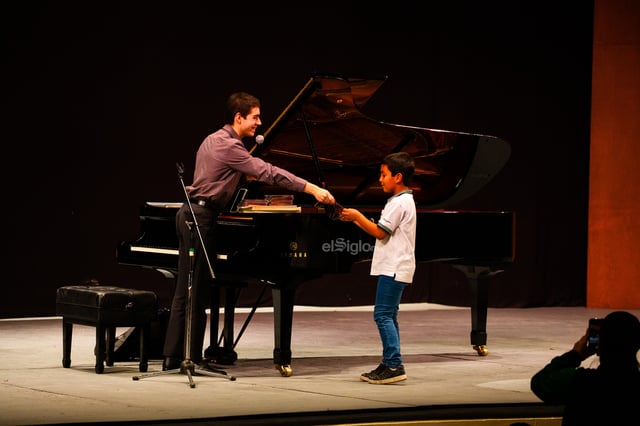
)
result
[(481, 349), (285, 370)]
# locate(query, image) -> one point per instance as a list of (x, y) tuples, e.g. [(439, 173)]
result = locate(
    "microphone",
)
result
[(259, 139)]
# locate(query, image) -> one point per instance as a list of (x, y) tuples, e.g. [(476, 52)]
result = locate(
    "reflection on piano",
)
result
[(324, 137)]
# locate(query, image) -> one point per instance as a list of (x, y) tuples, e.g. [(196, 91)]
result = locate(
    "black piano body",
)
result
[(323, 136)]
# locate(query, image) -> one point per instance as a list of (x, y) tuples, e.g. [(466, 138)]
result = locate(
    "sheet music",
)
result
[(164, 204), (270, 209)]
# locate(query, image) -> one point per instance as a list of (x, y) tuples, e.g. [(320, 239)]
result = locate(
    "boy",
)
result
[(393, 260)]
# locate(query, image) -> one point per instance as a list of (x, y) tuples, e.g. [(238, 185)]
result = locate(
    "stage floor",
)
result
[(447, 379)]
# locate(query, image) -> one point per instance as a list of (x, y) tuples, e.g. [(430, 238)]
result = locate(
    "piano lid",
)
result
[(324, 137)]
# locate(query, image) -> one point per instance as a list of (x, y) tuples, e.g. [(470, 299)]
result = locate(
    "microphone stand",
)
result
[(187, 366)]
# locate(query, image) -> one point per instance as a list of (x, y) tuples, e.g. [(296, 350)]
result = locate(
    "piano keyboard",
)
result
[(146, 249)]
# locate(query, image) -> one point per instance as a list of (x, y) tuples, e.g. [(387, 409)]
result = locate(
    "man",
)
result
[(221, 161), (606, 395)]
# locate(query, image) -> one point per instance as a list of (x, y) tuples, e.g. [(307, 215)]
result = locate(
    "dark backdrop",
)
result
[(101, 99)]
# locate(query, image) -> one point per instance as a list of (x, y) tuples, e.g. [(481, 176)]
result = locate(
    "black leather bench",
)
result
[(105, 308)]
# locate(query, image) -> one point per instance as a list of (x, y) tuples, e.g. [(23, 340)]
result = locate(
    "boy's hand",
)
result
[(348, 215)]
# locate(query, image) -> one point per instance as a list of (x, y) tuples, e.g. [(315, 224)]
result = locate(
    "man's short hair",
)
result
[(240, 102), (620, 333)]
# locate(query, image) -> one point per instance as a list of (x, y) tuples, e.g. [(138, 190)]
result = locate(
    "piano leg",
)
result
[(478, 277), (283, 322)]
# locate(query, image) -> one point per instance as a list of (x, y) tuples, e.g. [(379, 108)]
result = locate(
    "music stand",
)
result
[(187, 366)]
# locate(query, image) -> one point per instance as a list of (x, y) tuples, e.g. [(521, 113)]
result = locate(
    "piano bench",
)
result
[(105, 308)]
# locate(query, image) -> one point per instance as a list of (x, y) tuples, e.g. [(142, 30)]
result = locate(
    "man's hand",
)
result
[(321, 195), (583, 348)]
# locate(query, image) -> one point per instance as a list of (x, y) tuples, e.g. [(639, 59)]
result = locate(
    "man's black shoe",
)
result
[(171, 364), (219, 355)]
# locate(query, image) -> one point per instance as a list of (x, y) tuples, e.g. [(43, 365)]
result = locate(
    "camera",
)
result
[(593, 338)]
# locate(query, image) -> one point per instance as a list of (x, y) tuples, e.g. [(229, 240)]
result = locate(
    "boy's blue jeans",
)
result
[(385, 314)]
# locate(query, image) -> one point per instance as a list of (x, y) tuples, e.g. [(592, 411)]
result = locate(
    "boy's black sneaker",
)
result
[(367, 376), (386, 375)]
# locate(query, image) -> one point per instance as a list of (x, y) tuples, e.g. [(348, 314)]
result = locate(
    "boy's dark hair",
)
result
[(400, 162), (241, 102)]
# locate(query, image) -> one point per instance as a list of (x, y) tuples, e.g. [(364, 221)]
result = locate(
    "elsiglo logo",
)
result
[(351, 247)]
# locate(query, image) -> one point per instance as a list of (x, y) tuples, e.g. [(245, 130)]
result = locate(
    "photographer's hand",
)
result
[(582, 348)]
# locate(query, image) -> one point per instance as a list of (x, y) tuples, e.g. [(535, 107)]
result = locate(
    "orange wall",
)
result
[(613, 269)]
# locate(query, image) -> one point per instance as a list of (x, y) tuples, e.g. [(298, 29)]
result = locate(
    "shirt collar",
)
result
[(406, 191)]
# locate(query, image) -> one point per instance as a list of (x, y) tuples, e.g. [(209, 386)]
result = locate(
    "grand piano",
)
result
[(323, 136)]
